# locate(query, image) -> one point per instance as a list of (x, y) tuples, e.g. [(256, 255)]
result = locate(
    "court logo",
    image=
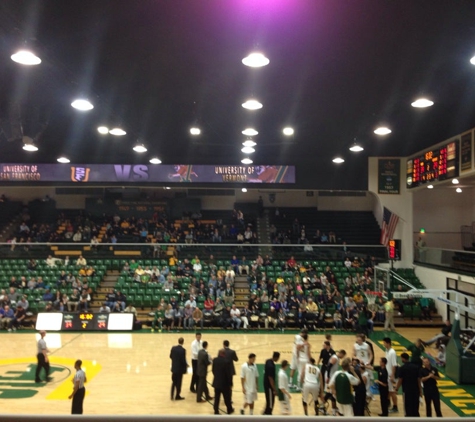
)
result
[(80, 174)]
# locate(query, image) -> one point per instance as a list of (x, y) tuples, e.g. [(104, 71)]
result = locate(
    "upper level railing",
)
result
[(447, 258)]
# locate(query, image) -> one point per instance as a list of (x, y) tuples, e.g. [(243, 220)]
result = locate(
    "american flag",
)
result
[(390, 221)]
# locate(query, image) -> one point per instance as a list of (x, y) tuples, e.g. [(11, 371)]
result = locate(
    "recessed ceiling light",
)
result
[(458, 190), (338, 160), (30, 147), (244, 190), (430, 187), (455, 181), (63, 160), (195, 131), (356, 148), (140, 148), (25, 57), (103, 130), (250, 132), (382, 131), (422, 103), (117, 131), (155, 160), (255, 60), (252, 105), (288, 131), (248, 150), (249, 143), (82, 105), (246, 160), (167, 187), (472, 60)]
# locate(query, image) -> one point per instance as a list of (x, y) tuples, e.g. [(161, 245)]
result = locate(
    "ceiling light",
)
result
[(455, 181), (82, 105), (30, 147), (25, 57), (422, 103), (244, 190), (63, 160), (288, 131), (195, 131), (140, 148), (249, 143), (248, 150), (472, 60), (167, 188), (117, 131), (250, 132), (382, 131), (458, 190), (430, 187), (252, 105), (255, 60), (155, 160), (356, 147), (338, 160), (103, 130), (246, 160)]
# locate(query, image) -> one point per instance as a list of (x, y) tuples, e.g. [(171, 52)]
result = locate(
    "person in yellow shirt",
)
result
[(312, 306), (172, 261), (280, 280), (389, 313)]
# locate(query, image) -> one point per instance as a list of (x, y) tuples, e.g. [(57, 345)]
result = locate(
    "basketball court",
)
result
[(129, 373)]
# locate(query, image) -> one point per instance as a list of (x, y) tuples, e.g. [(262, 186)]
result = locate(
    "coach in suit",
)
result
[(179, 367), (223, 376), (230, 355), (204, 360)]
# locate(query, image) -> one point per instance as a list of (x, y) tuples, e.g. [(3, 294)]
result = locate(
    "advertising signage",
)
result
[(144, 173)]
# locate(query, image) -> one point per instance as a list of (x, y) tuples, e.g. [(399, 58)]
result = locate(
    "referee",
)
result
[(42, 358), (78, 391)]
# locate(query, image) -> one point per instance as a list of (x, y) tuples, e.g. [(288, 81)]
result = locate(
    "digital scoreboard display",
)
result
[(394, 249), (434, 165), (84, 321)]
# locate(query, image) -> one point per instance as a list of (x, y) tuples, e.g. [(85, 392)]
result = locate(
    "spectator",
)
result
[(197, 317), (18, 318), (235, 317), (104, 309), (73, 302), (81, 261), (6, 315)]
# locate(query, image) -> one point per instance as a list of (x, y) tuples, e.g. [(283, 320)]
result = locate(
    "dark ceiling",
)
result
[(338, 69)]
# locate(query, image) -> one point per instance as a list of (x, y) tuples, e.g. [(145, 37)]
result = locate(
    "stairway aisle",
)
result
[(241, 291), (108, 282), (263, 234)]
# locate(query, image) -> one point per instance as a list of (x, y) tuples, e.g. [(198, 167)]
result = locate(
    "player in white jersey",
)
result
[(312, 381), (249, 381), (303, 358), (298, 344), (361, 350)]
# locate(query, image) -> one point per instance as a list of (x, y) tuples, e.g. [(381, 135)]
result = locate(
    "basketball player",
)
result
[(249, 381), (312, 382), (298, 344), (361, 350), (303, 358), (332, 368)]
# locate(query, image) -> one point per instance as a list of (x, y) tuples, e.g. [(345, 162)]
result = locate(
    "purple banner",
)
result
[(145, 173)]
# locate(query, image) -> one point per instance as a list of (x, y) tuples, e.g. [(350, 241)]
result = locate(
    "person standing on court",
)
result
[(78, 390), (312, 382), (196, 346), (341, 386), (179, 367), (270, 388), (391, 366), (411, 386), (249, 380), (204, 360), (429, 377), (223, 378), (232, 357), (42, 358), (389, 313), (382, 381)]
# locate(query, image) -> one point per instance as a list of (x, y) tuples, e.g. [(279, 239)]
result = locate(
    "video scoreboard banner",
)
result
[(84, 321), (433, 165), (145, 173)]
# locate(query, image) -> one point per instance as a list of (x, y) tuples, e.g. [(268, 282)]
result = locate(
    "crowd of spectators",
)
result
[(296, 233)]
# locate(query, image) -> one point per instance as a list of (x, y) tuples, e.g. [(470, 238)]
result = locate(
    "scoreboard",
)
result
[(433, 165), (394, 249), (84, 321)]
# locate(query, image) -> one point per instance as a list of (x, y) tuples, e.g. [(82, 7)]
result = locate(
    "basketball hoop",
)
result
[(371, 297)]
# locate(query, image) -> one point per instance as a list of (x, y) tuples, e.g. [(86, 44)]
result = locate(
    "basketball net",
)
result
[(371, 297)]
